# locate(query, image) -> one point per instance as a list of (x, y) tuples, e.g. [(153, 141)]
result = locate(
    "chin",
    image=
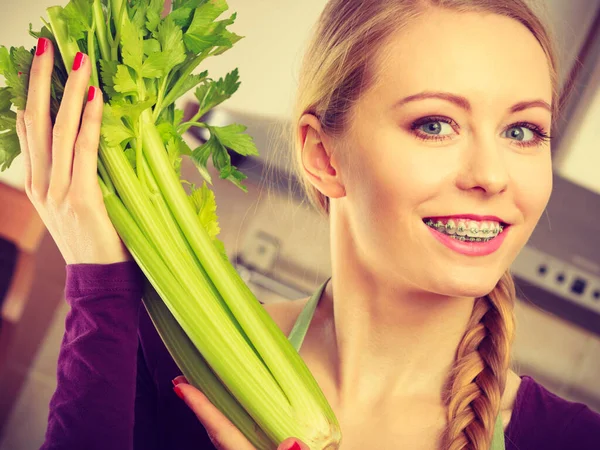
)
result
[(470, 285)]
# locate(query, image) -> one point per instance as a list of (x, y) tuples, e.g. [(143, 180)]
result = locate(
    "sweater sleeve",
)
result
[(582, 431), (93, 405)]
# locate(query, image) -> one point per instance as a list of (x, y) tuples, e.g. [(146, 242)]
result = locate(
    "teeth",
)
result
[(467, 229), (451, 227), (461, 228), (485, 228), (473, 229)]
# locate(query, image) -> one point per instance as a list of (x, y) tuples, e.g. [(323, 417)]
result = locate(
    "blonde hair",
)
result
[(333, 75)]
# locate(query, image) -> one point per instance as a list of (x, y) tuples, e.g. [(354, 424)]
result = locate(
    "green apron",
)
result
[(297, 334)]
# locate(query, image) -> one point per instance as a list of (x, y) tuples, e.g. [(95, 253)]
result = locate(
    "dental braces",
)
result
[(461, 229)]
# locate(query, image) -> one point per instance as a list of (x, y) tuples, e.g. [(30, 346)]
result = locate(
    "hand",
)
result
[(222, 433), (61, 164)]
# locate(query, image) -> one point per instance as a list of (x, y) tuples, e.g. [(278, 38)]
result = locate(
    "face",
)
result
[(406, 161)]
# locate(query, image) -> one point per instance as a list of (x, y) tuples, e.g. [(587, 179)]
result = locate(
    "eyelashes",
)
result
[(540, 136)]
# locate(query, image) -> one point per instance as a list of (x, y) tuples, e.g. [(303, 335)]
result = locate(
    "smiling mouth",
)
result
[(467, 230)]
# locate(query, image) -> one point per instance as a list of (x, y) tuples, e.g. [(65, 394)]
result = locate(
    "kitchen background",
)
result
[(282, 247)]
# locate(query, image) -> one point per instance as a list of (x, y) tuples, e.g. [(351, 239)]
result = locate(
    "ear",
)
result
[(320, 166)]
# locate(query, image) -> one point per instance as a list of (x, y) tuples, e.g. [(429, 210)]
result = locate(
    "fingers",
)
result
[(85, 161), (64, 134), (37, 118), (223, 434)]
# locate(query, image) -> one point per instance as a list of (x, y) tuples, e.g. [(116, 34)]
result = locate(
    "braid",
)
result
[(478, 377)]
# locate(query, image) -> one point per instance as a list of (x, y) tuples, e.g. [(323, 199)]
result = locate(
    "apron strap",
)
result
[(498, 438), (298, 333)]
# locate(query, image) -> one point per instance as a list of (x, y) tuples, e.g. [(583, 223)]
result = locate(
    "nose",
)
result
[(484, 167)]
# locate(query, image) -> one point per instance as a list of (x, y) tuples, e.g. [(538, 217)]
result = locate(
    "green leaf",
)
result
[(178, 117), (5, 100), (123, 81), (170, 37), (233, 137), (156, 65), (9, 149), (236, 177), (183, 11), (113, 129), (151, 46), (206, 14), (204, 33), (231, 37), (140, 15), (212, 93), (108, 71), (132, 48), (131, 110), (153, 14), (190, 82), (78, 17), (22, 58), (174, 155), (9, 141), (220, 158), (11, 63), (221, 248), (200, 157), (166, 52), (203, 201)]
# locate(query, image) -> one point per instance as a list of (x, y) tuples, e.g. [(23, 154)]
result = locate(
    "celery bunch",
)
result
[(221, 337)]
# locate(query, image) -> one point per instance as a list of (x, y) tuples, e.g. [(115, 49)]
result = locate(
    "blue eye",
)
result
[(538, 134), (431, 129)]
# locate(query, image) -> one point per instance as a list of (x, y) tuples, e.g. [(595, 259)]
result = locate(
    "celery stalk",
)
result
[(187, 357), (300, 387)]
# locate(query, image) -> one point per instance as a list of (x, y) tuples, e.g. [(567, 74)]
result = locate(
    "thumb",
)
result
[(293, 444)]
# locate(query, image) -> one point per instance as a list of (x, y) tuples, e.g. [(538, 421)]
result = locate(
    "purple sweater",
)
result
[(114, 381)]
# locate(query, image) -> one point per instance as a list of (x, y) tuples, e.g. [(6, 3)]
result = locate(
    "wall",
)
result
[(268, 57)]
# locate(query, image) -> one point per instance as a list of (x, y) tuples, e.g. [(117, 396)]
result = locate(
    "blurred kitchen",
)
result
[(281, 246)]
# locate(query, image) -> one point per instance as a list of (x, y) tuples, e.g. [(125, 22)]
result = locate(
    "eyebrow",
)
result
[(463, 103)]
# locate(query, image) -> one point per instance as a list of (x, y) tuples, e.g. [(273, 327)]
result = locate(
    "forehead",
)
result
[(494, 61)]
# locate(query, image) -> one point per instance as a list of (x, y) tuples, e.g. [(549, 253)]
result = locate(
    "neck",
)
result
[(389, 340)]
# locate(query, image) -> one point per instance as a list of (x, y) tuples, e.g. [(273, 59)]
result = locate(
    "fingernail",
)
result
[(178, 380), (20, 73), (42, 45), (79, 58), (295, 446), (178, 391), (91, 93)]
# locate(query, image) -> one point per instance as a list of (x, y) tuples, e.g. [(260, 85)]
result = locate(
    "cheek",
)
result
[(533, 186), (394, 177)]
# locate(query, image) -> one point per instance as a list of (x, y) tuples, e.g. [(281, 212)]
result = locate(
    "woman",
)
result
[(417, 124)]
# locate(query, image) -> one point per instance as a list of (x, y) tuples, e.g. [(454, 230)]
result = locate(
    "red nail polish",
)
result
[(91, 93), (178, 380), (295, 446), (78, 60), (177, 390), (42, 45)]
